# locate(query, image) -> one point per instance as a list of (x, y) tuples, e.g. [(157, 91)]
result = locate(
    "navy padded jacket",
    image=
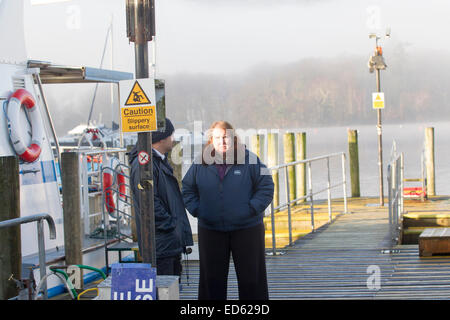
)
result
[(235, 203)]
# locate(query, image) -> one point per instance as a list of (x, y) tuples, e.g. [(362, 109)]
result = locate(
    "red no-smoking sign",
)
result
[(143, 157)]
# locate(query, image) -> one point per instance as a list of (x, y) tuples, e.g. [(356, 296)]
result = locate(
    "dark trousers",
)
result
[(169, 266), (248, 250)]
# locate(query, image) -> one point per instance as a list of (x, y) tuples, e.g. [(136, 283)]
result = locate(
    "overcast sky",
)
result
[(230, 36)]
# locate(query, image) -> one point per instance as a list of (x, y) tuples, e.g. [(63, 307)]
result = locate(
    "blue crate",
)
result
[(133, 281)]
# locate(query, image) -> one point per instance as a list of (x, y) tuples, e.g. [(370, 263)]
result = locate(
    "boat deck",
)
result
[(349, 258)]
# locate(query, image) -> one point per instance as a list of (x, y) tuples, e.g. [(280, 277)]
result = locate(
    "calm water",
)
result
[(409, 139)]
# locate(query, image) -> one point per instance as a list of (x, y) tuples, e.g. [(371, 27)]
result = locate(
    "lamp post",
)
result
[(376, 63)]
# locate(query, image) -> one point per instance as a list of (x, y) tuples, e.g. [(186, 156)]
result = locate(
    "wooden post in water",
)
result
[(300, 170), (272, 160), (354, 162), (255, 145), (429, 156), (10, 243), (289, 156), (70, 181)]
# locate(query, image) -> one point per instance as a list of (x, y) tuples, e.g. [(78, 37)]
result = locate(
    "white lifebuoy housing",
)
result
[(26, 153)]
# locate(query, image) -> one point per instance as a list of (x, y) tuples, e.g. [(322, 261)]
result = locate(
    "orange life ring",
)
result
[(26, 153), (110, 174)]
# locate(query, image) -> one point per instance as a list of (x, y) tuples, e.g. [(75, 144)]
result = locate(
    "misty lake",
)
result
[(409, 139)]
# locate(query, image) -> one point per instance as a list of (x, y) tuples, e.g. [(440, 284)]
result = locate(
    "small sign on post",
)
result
[(133, 281), (138, 105), (378, 100)]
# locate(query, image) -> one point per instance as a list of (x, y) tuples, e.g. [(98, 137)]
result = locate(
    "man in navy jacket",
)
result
[(172, 228)]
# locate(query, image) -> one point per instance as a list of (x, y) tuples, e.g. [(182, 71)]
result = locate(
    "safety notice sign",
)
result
[(378, 100), (143, 158), (137, 105)]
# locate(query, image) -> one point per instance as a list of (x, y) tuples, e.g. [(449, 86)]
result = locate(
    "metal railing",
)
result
[(91, 180), (422, 178), (311, 193), (121, 211), (395, 172), (41, 241), (123, 201)]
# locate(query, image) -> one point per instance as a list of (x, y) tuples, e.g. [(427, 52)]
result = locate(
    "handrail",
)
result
[(32, 218), (95, 175), (41, 243), (310, 193), (395, 179), (115, 189)]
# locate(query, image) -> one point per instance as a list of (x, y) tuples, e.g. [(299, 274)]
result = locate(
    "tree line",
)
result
[(315, 92)]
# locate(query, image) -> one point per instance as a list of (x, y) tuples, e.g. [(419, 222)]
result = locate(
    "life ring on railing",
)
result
[(26, 153), (113, 174)]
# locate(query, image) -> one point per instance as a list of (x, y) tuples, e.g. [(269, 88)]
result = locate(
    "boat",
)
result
[(27, 132)]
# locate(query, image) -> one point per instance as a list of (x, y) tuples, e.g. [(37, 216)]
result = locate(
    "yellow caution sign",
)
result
[(139, 119), (378, 100), (137, 96), (137, 107)]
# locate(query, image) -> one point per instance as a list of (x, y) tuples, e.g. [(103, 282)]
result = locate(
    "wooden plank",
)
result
[(332, 263), (434, 241)]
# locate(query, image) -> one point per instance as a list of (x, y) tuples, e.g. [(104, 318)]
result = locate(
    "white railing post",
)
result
[(329, 191), (288, 198), (310, 188), (344, 182)]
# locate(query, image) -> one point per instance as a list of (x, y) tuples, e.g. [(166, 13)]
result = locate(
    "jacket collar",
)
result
[(160, 162)]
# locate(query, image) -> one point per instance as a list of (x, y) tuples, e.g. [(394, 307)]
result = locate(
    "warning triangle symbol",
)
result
[(137, 96), (378, 97)]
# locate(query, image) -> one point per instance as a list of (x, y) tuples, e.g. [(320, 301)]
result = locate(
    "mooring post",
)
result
[(70, 181), (10, 243), (255, 144), (429, 160), (289, 156), (354, 162), (300, 170), (272, 155)]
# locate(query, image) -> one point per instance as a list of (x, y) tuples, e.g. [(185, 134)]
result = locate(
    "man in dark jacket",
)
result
[(172, 228)]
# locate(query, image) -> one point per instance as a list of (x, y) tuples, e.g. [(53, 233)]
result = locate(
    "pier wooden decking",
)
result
[(350, 258)]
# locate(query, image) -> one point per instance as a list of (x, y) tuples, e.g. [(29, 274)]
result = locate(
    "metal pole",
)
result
[(380, 142), (272, 213), (41, 249), (329, 190), (311, 195), (344, 183), (288, 198), (390, 197), (402, 173), (147, 213)]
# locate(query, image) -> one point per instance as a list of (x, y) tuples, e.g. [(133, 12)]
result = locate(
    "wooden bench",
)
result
[(434, 241)]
